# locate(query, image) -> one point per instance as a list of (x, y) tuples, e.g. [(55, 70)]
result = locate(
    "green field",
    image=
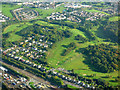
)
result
[(32, 85), (73, 60), (93, 10), (13, 29), (70, 86), (114, 18), (6, 9)]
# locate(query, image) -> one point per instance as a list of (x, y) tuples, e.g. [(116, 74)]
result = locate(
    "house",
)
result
[(23, 49), (44, 51), (12, 55), (40, 40), (21, 43), (39, 66), (34, 65), (30, 44), (30, 63), (92, 87), (66, 78), (16, 57), (9, 54), (5, 75), (63, 76), (54, 72), (26, 40), (35, 48), (17, 50), (19, 58), (13, 52), (78, 82), (88, 86), (27, 61), (69, 79), (30, 38), (27, 51), (42, 36), (3, 69), (74, 81), (41, 44), (83, 85), (23, 60), (28, 54), (33, 41), (45, 45)]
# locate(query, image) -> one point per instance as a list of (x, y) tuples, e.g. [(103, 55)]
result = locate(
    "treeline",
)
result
[(80, 26), (102, 57), (80, 38), (55, 80), (52, 34), (69, 47), (109, 30)]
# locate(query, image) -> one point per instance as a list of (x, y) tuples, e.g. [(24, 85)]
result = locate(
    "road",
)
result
[(32, 76), (36, 79)]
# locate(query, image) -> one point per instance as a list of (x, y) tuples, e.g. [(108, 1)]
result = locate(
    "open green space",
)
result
[(7, 7), (72, 60), (75, 60), (93, 10), (15, 28), (114, 18), (32, 85), (70, 86)]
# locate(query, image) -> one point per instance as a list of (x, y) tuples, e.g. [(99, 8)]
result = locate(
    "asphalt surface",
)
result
[(33, 78)]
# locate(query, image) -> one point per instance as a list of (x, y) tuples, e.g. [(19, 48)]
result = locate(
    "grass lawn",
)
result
[(93, 10), (32, 85), (6, 9), (14, 37), (13, 29), (114, 18), (75, 60), (72, 87)]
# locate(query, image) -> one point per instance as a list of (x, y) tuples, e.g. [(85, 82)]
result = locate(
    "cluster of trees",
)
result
[(84, 26), (56, 80), (102, 57), (69, 47), (80, 38), (109, 30), (51, 34)]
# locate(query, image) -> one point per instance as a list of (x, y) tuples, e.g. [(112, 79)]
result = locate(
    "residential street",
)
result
[(32, 77)]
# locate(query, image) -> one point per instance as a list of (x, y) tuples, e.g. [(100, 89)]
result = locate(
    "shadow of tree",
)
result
[(87, 61)]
